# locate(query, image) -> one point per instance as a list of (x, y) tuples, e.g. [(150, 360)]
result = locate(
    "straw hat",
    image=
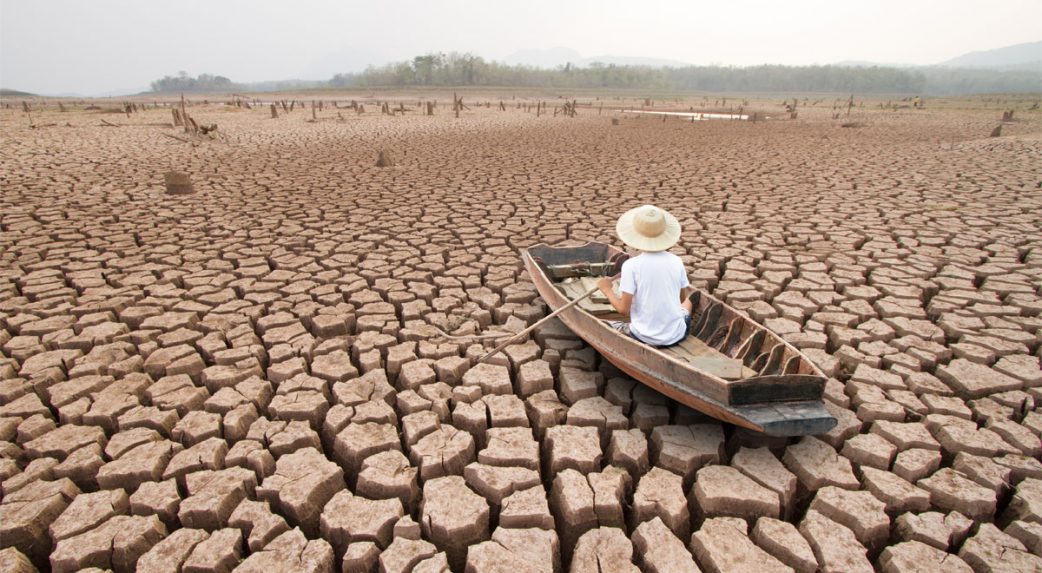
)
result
[(648, 228)]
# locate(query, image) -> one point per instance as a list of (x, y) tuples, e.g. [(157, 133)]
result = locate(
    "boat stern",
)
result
[(802, 418)]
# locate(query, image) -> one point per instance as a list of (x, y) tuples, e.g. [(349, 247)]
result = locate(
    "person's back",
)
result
[(655, 280)]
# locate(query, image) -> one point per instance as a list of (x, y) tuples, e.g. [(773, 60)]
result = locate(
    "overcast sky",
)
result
[(97, 46)]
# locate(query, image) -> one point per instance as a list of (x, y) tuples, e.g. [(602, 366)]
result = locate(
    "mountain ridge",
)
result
[(1007, 57)]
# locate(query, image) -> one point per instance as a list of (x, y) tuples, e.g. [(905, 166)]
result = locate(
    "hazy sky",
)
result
[(97, 46)]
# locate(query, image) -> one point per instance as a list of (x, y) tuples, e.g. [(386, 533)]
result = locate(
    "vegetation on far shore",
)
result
[(462, 70)]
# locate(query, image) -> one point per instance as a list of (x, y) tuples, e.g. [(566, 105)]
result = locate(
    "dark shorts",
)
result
[(624, 327)]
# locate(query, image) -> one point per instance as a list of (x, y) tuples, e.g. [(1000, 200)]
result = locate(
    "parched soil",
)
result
[(246, 377)]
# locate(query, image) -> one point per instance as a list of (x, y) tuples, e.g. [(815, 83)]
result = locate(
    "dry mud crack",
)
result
[(247, 378)]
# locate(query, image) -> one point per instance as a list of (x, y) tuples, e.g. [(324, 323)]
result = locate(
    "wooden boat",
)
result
[(729, 366)]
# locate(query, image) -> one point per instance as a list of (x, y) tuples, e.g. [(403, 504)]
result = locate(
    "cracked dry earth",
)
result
[(246, 378)]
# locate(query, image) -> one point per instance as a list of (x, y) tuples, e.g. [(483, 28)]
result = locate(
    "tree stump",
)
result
[(274, 112), (385, 159), (178, 183)]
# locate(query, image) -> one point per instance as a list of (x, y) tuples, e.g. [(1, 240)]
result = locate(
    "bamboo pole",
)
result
[(542, 321)]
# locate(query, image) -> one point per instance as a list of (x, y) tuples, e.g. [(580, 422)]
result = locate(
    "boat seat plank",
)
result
[(587, 284), (575, 289), (725, 368), (706, 358), (696, 347)]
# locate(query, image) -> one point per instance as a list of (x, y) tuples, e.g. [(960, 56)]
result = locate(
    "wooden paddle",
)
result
[(543, 320)]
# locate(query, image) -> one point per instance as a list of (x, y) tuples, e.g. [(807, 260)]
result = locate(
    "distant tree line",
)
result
[(457, 69), (182, 82), (466, 69)]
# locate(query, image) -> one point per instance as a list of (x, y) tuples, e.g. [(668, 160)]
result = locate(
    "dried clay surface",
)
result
[(245, 373)]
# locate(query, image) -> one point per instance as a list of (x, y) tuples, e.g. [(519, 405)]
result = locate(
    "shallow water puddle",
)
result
[(694, 116)]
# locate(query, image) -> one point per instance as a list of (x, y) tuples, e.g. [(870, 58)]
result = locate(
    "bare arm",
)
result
[(686, 292), (621, 303)]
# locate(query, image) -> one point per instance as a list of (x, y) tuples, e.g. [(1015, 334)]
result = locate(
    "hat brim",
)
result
[(629, 235)]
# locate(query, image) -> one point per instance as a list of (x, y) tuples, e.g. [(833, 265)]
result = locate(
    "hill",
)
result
[(1026, 56), (14, 93)]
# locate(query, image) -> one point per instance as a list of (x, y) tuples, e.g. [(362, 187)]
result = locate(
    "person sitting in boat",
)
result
[(653, 283)]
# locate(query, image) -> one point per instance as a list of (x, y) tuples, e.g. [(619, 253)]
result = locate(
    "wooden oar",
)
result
[(543, 320), (447, 336)]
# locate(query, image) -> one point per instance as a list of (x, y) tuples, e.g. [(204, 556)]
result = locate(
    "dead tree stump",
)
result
[(178, 183), (385, 159)]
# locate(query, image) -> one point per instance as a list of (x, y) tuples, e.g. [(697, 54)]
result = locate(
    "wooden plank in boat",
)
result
[(711, 360), (722, 367), (587, 284), (597, 309), (694, 346), (575, 289)]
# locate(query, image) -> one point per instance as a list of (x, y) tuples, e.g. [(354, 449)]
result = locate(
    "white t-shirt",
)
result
[(655, 280)]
